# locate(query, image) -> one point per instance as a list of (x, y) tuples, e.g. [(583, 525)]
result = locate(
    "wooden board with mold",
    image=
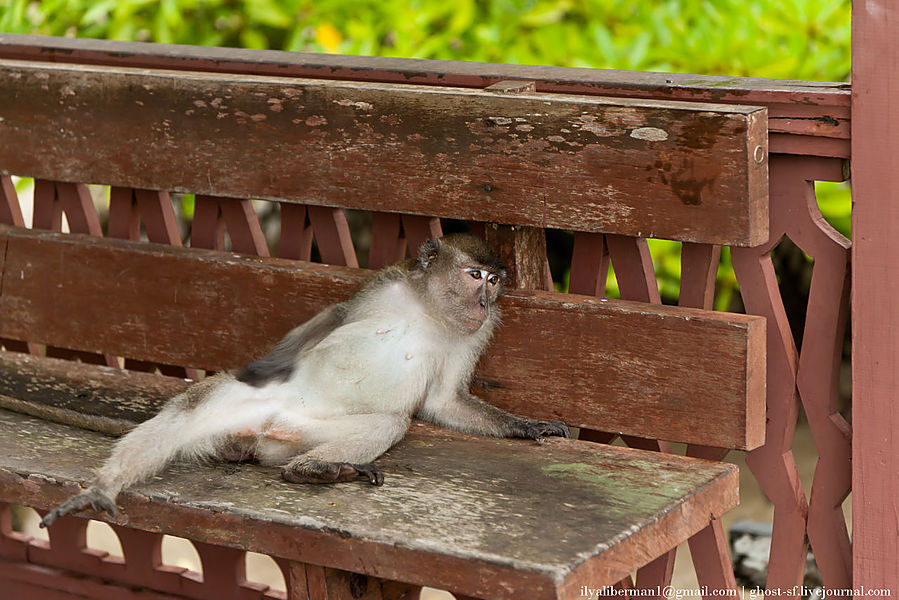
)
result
[(548, 519), (688, 171)]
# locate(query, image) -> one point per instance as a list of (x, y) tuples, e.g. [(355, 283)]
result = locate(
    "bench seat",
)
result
[(486, 517)]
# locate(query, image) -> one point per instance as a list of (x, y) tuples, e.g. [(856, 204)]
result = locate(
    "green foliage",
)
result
[(794, 39), (789, 39)]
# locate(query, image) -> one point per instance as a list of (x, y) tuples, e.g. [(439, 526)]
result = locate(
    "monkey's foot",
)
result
[(310, 470), (96, 499), (537, 430)]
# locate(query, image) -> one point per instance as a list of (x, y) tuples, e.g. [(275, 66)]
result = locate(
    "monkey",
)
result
[(340, 389)]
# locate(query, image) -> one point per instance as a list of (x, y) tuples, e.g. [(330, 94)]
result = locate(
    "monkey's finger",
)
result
[(102, 503)]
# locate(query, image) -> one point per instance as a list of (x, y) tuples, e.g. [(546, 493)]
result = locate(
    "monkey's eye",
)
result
[(476, 273), (493, 279)]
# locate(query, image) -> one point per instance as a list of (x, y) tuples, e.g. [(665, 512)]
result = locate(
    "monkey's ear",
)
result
[(427, 254)]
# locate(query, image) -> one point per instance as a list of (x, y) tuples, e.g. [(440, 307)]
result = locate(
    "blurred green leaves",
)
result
[(787, 39), (793, 39)]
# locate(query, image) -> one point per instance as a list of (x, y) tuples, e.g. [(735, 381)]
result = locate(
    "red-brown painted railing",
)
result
[(809, 125), (875, 289)]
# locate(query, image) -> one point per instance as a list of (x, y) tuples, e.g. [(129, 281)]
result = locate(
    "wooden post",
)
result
[(523, 251), (875, 295)]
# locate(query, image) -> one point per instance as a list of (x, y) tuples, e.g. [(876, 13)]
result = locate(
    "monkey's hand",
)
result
[(93, 497), (537, 430)]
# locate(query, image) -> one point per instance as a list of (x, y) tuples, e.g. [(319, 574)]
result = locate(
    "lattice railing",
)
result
[(804, 378), (808, 137)]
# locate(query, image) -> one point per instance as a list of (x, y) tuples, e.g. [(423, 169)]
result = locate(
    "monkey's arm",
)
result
[(279, 364), (470, 414)]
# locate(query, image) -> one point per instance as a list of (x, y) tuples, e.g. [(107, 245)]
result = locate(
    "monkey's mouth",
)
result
[(472, 323)]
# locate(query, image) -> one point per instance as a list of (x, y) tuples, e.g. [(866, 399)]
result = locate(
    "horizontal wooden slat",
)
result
[(654, 371), (90, 396), (487, 517), (693, 172), (810, 111)]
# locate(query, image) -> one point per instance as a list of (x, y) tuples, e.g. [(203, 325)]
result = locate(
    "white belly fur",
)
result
[(380, 364)]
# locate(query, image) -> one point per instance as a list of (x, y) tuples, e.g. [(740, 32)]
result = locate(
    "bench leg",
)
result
[(711, 559), (312, 582), (709, 548)]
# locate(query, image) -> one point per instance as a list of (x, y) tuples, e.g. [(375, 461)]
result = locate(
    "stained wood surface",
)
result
[(584, 513), (694, 172), (805, 117), (655, 371), (95, 397)]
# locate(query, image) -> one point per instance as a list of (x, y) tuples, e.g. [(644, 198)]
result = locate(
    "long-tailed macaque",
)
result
[(339, 390)]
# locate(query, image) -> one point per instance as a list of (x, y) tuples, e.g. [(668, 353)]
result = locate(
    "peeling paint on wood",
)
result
[(795, 107), (450, 152)]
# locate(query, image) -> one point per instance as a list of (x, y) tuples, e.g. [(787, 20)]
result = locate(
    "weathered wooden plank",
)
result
[(523, 252), (614, 507), (10, 214), (94, 397), (695, 172), (654, 371), (814, 115)]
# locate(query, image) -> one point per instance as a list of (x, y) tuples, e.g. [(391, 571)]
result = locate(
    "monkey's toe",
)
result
[(309, 470), (92, 497), (372, 472), (537, 430)]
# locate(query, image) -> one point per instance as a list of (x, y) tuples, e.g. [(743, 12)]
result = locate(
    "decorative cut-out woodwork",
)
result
[(802, 118)]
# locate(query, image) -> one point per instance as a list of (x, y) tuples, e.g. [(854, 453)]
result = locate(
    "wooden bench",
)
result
[(480, 517)]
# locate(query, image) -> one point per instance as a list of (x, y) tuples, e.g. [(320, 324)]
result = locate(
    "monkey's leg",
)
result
[(346, 447), (139, 454), (146, 449)]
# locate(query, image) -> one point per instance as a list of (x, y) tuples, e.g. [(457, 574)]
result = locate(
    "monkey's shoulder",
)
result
[(393, 292)]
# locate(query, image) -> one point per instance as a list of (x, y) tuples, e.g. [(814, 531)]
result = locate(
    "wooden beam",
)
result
[(814, 114), (654, 371), (875, 289), (692, 172)]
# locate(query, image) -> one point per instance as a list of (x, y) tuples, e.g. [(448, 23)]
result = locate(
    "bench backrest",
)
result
[(690, 172)]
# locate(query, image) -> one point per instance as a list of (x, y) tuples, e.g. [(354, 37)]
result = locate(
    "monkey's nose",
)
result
[(483, 302)]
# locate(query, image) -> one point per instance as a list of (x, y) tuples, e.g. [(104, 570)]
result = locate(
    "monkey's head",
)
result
[(463, 279)]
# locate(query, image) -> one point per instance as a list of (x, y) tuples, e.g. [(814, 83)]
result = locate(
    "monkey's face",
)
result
[(464, 278), (477, 289)]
